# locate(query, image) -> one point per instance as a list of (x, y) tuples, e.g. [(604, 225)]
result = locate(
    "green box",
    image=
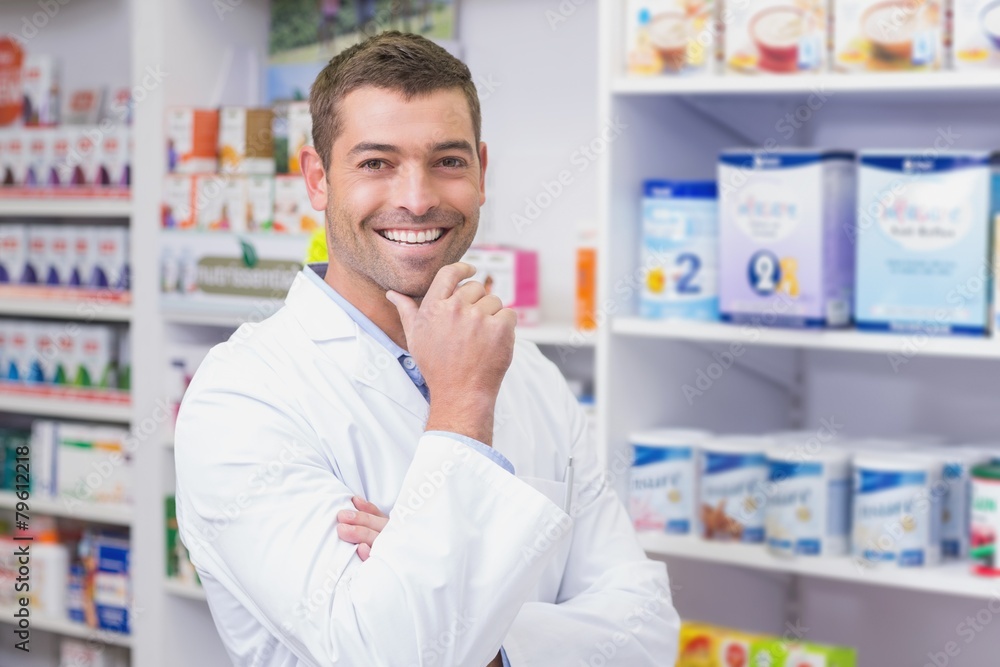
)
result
[(776, 652)]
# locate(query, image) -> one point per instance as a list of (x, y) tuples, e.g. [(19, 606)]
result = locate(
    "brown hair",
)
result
[(406, 63)]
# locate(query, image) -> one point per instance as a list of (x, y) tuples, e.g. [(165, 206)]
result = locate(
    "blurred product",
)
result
[(786, 252), (663, 493), (888, 35), (293, 212), (84, 106), (897, 509), (585, 315), (509, 273), (13, 253), (733, 474), (671, 37), (976, 38), (245, 142), (79, 653), (65, 454), (299, 133), (775, 36), (179, 566), (994, 227), (809, 500), (956, 475), (923, 242), (41, 91), (107, 582), (680, 247), (192, 140), (706, 645), (177, 209), (11, 95), (985, 527)]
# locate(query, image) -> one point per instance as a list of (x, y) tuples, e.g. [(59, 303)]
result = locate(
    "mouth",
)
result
[(411, 237)]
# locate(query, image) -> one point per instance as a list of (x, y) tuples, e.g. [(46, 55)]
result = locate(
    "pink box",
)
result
[(512, 275)]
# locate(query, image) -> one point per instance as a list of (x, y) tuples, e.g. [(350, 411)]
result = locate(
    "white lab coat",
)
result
[(287, 420)]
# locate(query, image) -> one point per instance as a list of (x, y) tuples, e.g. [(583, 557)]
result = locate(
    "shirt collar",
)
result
[(316, 273)]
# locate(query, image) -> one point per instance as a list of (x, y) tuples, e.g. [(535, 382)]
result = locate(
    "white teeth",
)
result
[(402, 236)]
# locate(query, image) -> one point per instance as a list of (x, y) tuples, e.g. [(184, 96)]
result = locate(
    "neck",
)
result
[(369, 298)]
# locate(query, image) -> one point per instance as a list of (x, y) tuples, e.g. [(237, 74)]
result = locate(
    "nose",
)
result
[(415, 191)]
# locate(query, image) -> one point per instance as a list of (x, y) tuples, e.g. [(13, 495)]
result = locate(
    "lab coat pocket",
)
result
[(554, 539)]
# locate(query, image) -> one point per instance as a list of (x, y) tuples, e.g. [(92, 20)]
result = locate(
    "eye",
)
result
[(452, 162), (372, 165)]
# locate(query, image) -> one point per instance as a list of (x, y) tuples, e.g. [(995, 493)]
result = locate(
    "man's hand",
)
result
[(463, 341), (361, 527)]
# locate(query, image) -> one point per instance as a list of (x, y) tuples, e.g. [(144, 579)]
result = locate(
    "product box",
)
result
[(679, 250), (976, 36), (84, 255), (775, 36), (114, 158), (40, 169), (881, 35), (671, 37), (60, 256), (192, 140), (111, 268), (704, 645), (210, 209), (64, 338), (512, 275), (119, 111), (177, 209), (13, 253), (245, 142), (38, 255), (299, 133), (85, 154), (586, 282), (95, 356), (293, 212), (83, 448), (44, 352), (61, 171), (786, 242), (112, 585), (923, 242), (78, 653), (19, 350), (250, 203), (995, 226), (14, 156), (40, 86), (775, 652), (83, 107)]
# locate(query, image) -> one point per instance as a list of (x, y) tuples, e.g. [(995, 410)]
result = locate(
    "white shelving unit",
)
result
[(66, 403), (112, 515), (68, 628), (674, 128), (66, 207), (184, 590), (63, 306)]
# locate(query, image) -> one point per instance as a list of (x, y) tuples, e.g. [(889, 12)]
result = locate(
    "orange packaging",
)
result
[(586, 286), (704, 645), (192, 140), (11, 97), (246, 143)]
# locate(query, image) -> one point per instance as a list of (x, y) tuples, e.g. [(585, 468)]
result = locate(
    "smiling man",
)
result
[(377, 474)]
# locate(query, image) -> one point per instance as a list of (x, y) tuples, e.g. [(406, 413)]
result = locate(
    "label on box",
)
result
[(775, 36), (192, 140), (177, 210), (880, 35), (246, 145), (670, 37)]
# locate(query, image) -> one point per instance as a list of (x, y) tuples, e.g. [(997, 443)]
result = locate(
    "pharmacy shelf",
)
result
[(949, 579), (73, 304), (184, 590), (112, 515), (848, 340), (930, 83), (220, 316), (68, 628), (557, 334), (66, 402), (66, 203)]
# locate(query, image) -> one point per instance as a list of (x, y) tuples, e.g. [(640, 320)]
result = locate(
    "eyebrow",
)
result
[(374, 147)]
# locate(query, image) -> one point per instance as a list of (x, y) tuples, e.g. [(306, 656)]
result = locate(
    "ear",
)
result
[(315, 175), (482, 172)]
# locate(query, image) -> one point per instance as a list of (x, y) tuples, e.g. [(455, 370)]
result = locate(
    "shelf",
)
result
[(221, 315), (66, 402), (65, 302), (69, 628), (112, 515), (83, 203), (935, 83), (907, 345), (949, 579), (557, 334), (184, 590)]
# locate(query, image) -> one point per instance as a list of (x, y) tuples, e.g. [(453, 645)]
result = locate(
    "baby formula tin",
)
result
[(662, 496), (733, 475)]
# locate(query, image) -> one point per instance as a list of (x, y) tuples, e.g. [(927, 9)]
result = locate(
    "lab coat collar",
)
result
[(375, 367)]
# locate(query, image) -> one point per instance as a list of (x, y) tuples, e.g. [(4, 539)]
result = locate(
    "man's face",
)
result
[(405, 184)]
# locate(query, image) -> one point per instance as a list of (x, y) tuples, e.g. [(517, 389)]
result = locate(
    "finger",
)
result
[(490, 304), (376, 523), (364, 552), (406, 307), (508, 316), (365, 506), (470, 292), (447, 279), (356, 534)]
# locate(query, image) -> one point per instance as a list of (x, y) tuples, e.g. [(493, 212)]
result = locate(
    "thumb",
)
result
[(406, 307)]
